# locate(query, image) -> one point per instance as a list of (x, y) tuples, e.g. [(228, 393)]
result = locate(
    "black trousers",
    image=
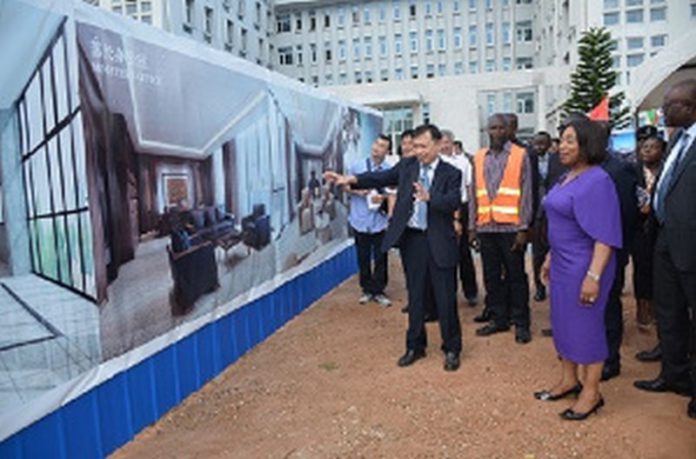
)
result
[(613, 314), (373, 277), (467, 271), (421, 269), (507, 286), (643, 249), (540, 247), (675, 308)]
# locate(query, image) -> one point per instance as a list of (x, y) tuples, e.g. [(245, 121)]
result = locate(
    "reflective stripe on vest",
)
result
[(505, 207)]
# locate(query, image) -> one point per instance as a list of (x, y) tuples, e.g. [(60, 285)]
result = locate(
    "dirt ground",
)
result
[(327, 386)]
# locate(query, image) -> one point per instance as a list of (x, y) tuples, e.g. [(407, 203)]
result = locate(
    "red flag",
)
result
[(601, 111)]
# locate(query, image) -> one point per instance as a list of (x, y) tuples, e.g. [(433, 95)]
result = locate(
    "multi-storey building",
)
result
[(241, 27)]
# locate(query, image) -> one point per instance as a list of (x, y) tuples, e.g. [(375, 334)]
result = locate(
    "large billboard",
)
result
[(150, 183)]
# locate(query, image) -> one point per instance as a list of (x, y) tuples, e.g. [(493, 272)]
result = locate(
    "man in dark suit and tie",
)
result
[(675, 250), (428, 194)]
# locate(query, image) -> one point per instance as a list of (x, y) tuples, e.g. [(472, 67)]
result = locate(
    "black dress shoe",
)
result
[(653, 355), (409, 357), (610, 371), (547, 396), (660, 385), (484, 317), (691, 409), (540, 294), (492, 329), (570, 415), (522, 335), (451, 361)]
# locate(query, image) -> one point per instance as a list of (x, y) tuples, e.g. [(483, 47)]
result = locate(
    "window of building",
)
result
[(429, 41), (328, 80), (327, 52), (382, 46), (634, 43), (658, 41), (396, 9), (368, 47), (368, 76), (342, 50), (507, 102), (146, 18), (131, 8), (441, 40), (384, 75), (459, 68), (658, 14), (628, 77), (456, 6), (523, 63), (298, 23), (412, 10), (414, 72), (208, 25), (490, 34), (258, 15), (355, 15), (524, 31), (241, 8), (398, 74), (356, 49), (634, 16), (341, 16), (189, 12), (633, 60), (490, 104), (490, 65), (442, 70), (473, 67), (611, 19), (382, 14), (440, 7), (611, 4), (327, 21), (428, 8), (489, 4), (229, 32), (313, 52), (693, 10), (118, 9), (283, 23), (472, 36), (634, 2), (413, 41), (430, 71), (342, 78), (525, 103), (358, 77), (398, 45), (505, 28), (366, 15), (298, 54), (614, 45), (523, 2), (395, 121), (616, 61), (145, 7), (657, 2), (457, 38), (507, 64), (472, 5), (285, 55)]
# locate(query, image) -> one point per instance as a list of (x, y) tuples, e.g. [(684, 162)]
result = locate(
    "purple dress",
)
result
[(581, 212)]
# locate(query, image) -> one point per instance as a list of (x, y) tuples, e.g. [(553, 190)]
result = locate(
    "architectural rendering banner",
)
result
[(149, 186)]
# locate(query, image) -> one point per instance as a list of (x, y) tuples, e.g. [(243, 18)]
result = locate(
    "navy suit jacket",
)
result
[(445, 198)]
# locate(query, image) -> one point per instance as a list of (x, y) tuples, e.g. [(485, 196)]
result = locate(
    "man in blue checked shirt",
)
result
[(368, 218)]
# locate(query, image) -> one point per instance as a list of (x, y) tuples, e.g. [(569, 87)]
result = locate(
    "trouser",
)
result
[(467, 271), (507, 287), (613, 314), (422, 269), (373, 276), (675, 308)]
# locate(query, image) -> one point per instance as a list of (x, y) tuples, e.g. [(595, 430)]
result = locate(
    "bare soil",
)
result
[(327, 386)]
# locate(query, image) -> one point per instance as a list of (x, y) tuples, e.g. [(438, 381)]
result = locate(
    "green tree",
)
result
[(593, 78)]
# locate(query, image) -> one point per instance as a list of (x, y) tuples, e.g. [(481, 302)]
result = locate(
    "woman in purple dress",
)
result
[(584, 229)]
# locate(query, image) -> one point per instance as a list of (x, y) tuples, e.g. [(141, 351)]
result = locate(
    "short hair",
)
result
[(498, 116), (544, 134), (592, 139), (458, 143), (387, 138), (447, 133), (644, 132), (688, 84), (407, 133), (435, 133)]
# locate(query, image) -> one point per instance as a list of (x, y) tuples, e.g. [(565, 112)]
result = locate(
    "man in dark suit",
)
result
[(675, 250), (428, 194)]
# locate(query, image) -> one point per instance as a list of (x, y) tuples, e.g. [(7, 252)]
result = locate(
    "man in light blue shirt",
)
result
[(368, 218)]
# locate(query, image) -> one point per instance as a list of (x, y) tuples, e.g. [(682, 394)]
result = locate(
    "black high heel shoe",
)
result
[(570, 415), (547, 396)]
